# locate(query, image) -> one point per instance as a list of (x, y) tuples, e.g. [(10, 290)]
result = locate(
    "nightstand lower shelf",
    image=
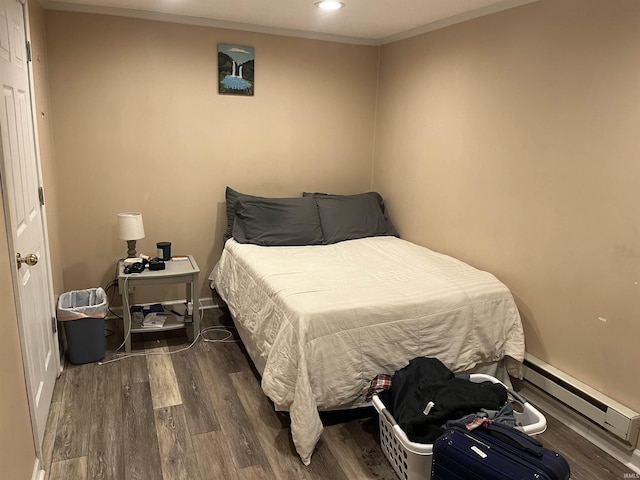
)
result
[(172, 322)]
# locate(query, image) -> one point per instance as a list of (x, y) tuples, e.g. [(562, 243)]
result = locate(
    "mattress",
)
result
[(323, 320)]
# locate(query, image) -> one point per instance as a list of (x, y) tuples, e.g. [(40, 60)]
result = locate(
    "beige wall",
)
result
[(17, 454), (45, 138), (511, 142), (139, 126)]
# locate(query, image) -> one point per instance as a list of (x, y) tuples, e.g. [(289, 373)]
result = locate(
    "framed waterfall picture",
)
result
[(235, 70)]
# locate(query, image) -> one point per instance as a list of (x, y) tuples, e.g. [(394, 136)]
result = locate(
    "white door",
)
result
[(20, 174)]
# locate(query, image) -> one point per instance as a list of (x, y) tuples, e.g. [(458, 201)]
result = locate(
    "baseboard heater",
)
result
[(614, 417)]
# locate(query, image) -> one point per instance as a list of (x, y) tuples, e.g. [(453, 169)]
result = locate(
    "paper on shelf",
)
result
[(154, 320)]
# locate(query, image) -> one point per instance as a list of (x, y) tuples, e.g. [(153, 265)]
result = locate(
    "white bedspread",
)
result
[(326, 319)]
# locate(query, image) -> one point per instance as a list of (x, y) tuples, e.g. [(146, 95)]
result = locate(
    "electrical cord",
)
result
[(227, 334), (227, 338), (124, 286), (113, 285)]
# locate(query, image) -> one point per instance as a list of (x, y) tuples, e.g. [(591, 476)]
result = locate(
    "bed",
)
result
[(320, 320)]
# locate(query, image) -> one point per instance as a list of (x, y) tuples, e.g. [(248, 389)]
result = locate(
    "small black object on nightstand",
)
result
[(156, 264)]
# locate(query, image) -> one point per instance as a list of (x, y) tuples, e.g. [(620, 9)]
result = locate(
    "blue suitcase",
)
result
[(494, 452)]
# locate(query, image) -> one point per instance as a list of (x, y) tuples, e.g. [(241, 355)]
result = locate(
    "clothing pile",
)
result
[(425, 396)]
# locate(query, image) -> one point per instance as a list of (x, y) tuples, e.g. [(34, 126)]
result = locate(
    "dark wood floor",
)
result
[(200, 414)]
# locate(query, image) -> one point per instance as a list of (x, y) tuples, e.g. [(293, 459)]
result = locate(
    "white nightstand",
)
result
[(176, 271)]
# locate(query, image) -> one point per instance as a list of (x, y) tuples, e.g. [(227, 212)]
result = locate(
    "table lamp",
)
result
[(130, 228)]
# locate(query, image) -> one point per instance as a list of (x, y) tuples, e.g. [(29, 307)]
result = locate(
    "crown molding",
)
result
[(463, 17), (201, 22), (223, 24)]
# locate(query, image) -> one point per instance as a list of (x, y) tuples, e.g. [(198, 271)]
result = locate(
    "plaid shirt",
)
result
[(477, 422), (378, 384)]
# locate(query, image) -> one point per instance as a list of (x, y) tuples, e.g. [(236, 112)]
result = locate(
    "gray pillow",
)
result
[(232, 198), (347, 217), (277, 221)]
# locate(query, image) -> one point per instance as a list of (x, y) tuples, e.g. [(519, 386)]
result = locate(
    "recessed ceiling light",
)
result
[(329, 5)]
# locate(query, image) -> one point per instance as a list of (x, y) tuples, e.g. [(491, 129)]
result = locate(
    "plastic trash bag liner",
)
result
[(88, 303)]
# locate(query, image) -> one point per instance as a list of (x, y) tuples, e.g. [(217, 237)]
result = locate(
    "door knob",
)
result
[(31, 259)]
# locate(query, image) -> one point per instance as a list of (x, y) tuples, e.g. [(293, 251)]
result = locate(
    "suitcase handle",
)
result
[(521, 440)]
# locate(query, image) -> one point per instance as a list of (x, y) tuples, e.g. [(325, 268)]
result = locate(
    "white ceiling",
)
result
[(371, 22)]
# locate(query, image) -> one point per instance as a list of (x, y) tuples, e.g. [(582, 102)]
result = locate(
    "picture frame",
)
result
[(236, 70)]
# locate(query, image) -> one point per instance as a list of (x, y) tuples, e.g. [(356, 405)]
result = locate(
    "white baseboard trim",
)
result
[(576, 422), (635, 461), (207, 303)]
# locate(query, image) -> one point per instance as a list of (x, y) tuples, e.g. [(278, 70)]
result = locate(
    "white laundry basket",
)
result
[(412, 461)]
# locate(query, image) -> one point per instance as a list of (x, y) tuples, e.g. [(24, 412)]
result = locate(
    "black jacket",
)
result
[(427, 380)]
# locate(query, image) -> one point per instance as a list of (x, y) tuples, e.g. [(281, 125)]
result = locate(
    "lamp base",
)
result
[(131, 245)]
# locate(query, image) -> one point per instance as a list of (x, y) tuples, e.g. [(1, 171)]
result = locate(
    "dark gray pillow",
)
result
[(361, 198), (347, 217), (277, 221), (232, 198)]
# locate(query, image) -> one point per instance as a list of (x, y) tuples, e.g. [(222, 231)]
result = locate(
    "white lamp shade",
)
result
[(130, 226)]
